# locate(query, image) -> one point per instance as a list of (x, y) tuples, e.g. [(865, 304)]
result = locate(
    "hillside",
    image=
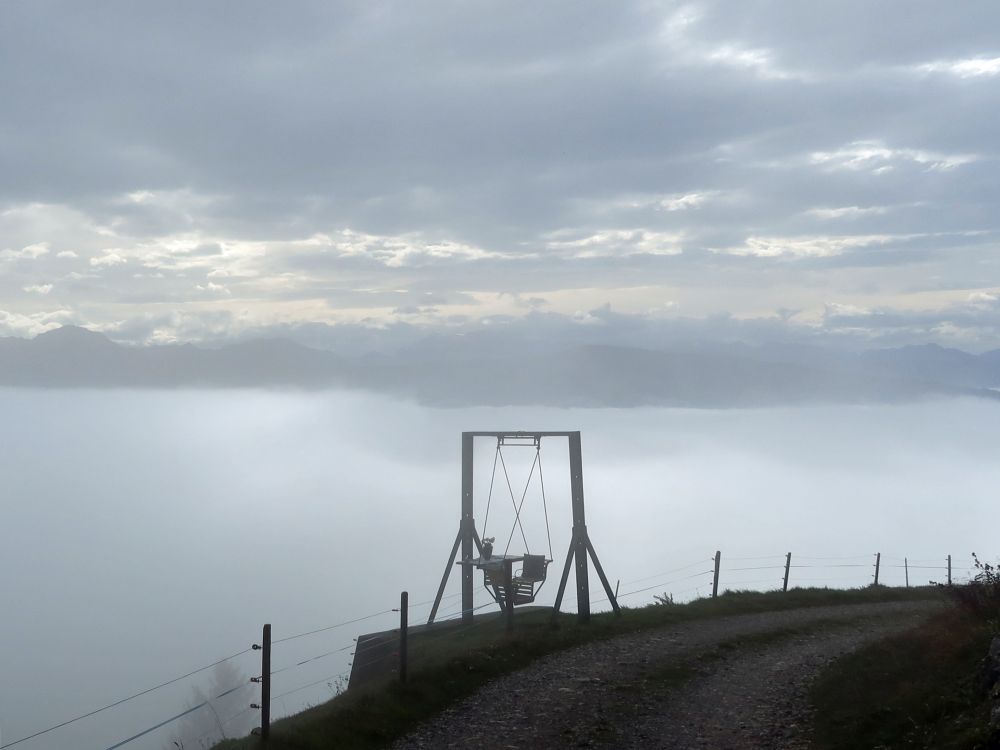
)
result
[(600, 684)]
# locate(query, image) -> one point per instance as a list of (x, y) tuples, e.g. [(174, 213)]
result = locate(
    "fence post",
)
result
[(715, 578), (404, 625), (878, 562), (906, 569), (265, 683), (788, 564), (949, 570)]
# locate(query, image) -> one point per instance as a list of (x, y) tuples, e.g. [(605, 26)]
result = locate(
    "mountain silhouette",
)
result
[(465, 372)]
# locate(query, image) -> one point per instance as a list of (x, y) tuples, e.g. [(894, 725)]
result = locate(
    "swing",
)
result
[(498, 572), (524, 584)]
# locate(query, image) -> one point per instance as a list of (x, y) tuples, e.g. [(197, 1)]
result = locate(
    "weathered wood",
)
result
[(510, 596), (612, 595), (580, 538), (715, 577), (404, 625), (563, 579), (788, 564), (580, 546), (906, 570), (468, 527), (444, 578), (878, 563), (265, 683), (949, 570)]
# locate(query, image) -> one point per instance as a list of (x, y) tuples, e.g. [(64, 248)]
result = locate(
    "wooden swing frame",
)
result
[(581, 549)]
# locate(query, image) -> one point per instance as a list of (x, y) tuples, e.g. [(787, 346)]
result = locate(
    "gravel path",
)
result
[(735, 682)]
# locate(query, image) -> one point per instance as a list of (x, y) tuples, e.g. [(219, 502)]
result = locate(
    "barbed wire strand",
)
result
[(123, 700), (311, 684), (654, 586), (331, 627), (664, 573), (192, 709)]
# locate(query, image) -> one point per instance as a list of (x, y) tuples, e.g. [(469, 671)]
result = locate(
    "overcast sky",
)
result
[(190, 170)]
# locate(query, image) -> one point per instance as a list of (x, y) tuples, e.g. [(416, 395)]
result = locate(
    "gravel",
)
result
[(737, 682)]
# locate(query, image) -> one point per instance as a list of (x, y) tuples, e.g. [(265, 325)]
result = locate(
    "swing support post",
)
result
[(580, 538), (580, 549), (468, 528)]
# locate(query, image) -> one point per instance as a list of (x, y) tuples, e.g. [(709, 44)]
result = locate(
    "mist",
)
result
[(148, 533)]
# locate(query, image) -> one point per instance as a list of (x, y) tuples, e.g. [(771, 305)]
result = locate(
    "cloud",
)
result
[(28, 252), (107, 259), (684, 202), (976, 67), (31, 324), (701, 159), (803, 247), (847, 212), (615, 242), (876, 157)]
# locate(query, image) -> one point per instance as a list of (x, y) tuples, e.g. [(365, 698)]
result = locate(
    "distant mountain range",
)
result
[(464, 373)]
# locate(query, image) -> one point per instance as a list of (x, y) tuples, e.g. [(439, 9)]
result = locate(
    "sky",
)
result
[(821, 171)]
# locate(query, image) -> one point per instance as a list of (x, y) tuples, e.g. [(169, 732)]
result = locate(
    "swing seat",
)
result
[(533, 568), (496, 583), (533, 571)]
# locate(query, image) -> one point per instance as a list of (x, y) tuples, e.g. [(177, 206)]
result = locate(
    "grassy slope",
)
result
[(920, 689), (451, 662)]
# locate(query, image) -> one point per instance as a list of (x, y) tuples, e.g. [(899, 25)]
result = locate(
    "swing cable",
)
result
[(545, 507), (489, 497), (518, 506)]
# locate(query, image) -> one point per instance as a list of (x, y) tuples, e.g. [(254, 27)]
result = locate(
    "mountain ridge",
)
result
[(575, 374)]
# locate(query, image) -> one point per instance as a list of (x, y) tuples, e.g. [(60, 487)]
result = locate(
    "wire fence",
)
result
[(699, 578)]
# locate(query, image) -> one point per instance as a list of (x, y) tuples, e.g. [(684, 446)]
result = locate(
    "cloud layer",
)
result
[(192, 172)]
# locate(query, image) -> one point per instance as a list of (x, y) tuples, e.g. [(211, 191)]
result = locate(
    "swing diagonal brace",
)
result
[(565, 577), (444, 578), (604, 579)]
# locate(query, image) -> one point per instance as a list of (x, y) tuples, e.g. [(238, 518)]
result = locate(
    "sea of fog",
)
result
[(146, 534)]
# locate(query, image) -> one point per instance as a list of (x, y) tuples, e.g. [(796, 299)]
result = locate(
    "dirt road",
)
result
[(738, 683)]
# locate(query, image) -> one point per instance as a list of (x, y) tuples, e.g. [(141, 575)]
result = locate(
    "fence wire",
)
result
[(374, 651)]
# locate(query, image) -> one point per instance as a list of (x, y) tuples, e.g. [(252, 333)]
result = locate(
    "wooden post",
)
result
[(265, 683), (508, 574), (580, 538), (404, 625), (788, 564), (467, 527), (949, 570), (715, 578), (878, 562), (906, 569)]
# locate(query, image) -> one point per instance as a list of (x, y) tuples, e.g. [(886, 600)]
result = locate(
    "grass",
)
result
[(919, 689), (450, 661)]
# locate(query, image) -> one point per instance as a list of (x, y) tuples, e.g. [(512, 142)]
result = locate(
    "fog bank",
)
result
[(147, 533)]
